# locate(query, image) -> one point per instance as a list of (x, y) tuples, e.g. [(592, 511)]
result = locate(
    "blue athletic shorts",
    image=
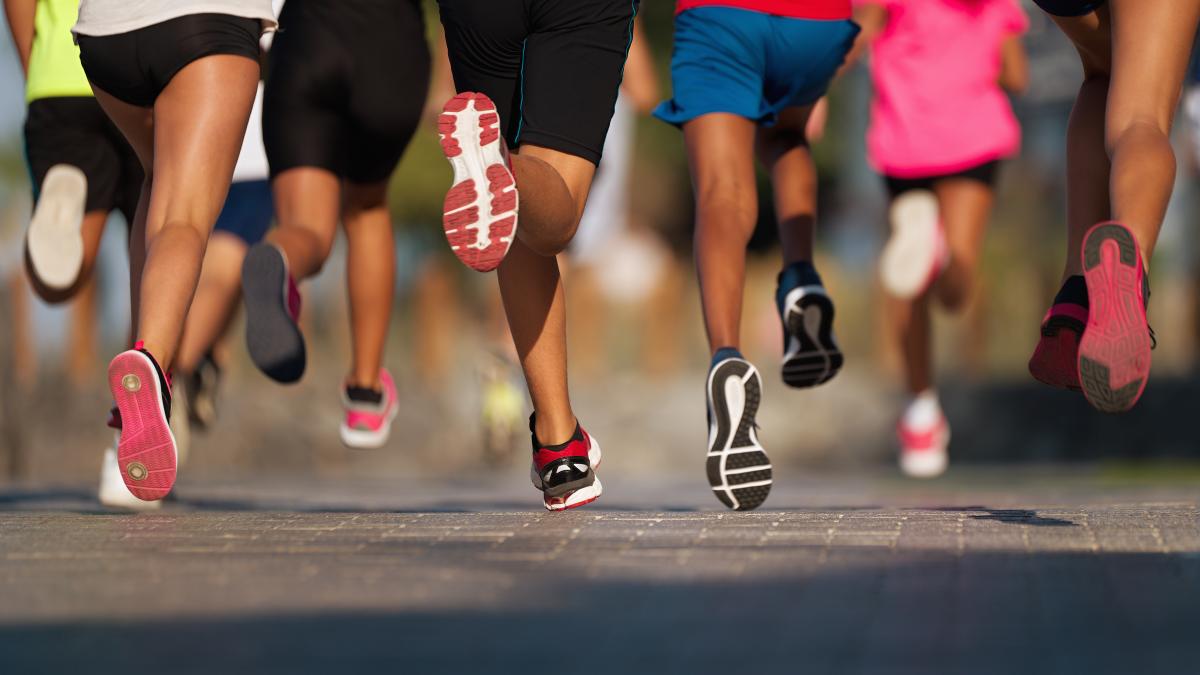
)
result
[(747, 63), (1069, 7), (248, 211)]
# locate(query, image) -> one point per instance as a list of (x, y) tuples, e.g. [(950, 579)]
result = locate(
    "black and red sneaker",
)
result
[(146, 452), (566, 473)]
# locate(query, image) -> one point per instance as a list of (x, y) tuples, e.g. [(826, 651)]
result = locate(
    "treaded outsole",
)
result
[(1114, 350), (819, 359), (273, 339), (146, 452), (727, 469)]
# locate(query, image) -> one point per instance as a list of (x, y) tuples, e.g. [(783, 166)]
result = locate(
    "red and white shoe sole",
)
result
[(146, 452), (1114, 351), (480, 211)]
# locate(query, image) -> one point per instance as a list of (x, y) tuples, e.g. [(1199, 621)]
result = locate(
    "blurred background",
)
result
[(638, 354)]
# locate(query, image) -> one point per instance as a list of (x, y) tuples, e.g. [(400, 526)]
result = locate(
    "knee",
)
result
[(727, 203), (1149, 129)]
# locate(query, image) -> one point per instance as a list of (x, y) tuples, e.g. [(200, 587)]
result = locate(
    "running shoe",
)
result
[(54, 241), (916, 253), (924, 444), (480, 214), (202, 385), (1055, 360), (566, 473), (146, 452), (273, 335), (369, 413), (737, 465), (811, 353), (1114, 352), (112, 492)]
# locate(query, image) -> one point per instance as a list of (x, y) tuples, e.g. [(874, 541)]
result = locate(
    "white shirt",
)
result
[(111, 17)]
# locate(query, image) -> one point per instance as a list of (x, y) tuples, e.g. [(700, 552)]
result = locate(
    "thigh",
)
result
[(1152, 44), (200, 121), (1091, 33), (965, 206), (574, 60), (486, 45)]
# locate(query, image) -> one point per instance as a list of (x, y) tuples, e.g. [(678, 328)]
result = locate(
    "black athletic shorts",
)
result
[(74, 130), (1069, 7), (136, 66), (552, 67), (983, 173), (346, 86)]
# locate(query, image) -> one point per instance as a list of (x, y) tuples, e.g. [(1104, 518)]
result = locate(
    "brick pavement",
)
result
[(1090, 581)]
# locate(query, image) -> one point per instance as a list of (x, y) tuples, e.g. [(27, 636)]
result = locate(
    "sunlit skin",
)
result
[(188, 144)]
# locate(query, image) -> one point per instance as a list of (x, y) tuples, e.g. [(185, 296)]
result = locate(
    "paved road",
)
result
[(847, 575)]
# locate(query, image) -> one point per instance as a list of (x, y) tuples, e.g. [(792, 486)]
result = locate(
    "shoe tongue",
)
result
[(364, 395)]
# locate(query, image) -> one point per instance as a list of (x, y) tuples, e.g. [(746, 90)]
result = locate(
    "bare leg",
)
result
[(371, 278), (910, 321), (216, 301), (720, 154), (307, 202), (199, 122), (554, 188), (531, 285), (965, 206), (784, 150)]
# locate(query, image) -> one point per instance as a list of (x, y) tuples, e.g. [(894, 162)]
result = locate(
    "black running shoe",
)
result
[(273, 335), (811, 354), (738, 468), (201, 386)]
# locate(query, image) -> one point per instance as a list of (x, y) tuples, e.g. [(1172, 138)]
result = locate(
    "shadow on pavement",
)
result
[(914, 612)]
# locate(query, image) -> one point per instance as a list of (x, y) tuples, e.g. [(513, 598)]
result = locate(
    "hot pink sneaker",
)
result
[(480, 212), (916, 253), (146, 452), (369, 413), (1055, 360), (1114, 352), (923, 450)]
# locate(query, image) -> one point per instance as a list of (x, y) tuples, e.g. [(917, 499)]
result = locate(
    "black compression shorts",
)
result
[(1069, 8), (74, 130), (346, 86), (136, 66), (980, 173), (552, 67)]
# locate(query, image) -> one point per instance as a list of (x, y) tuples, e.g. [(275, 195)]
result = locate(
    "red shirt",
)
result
[(796, 9)]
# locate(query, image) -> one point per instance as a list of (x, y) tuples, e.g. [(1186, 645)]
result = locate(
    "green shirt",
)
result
[(54, 69)]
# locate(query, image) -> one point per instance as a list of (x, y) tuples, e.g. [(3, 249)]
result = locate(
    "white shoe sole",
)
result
[(55, 237), (579, 497), (910, 258), (362, 439)]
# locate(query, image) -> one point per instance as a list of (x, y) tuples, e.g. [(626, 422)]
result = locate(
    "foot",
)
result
[(54, 241), (566, 473), (1114, 352), (113, 492), (480, 214), (811, 353), (369, 413), (146, 453), (1055, 360), (916, 253), (738, 468), (924, 438), (202, 388), (273, 335)]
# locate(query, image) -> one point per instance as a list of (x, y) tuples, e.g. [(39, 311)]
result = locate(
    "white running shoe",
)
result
[(924, 437), (916, 253), (113, 492), (55, 240)]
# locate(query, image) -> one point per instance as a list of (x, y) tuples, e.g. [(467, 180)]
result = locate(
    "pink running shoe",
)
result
[(480, 213), (1055, 360), (1114, 352), (146, 452), (916, 253), (369, 414), (923, 450)]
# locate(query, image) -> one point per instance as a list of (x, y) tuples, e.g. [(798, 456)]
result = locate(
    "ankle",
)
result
[(554, 429)]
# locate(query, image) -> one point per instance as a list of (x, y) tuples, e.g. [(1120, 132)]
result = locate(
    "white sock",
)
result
[(923, 410)]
